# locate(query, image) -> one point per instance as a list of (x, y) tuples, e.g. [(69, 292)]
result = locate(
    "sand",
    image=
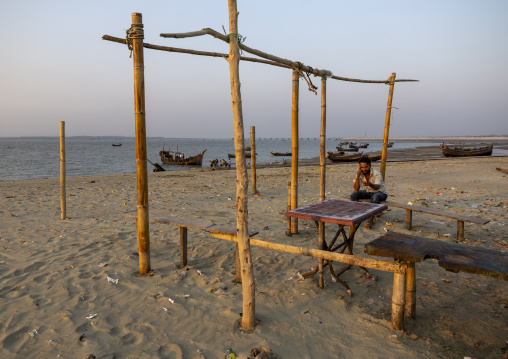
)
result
[(54, 273)]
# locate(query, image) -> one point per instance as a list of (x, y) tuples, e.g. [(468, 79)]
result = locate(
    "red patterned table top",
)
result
[(338, 211)]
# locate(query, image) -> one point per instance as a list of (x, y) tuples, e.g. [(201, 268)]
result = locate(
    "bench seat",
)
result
[(453, 257), (215, 230), (460, 218)]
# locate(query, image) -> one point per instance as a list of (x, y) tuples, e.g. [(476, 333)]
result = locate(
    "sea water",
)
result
[(39, 157)]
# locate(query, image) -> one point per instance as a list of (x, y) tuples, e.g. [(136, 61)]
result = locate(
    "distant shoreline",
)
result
[(457, 138)]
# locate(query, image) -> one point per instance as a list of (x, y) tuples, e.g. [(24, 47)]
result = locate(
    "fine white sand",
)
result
[(53, 272)]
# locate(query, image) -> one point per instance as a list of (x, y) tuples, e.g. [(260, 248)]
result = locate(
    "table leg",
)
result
[(321, 246)]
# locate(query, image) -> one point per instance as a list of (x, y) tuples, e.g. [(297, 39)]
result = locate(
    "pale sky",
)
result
[(56, 67)]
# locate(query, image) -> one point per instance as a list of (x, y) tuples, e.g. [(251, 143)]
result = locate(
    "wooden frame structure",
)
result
[(135, 43)]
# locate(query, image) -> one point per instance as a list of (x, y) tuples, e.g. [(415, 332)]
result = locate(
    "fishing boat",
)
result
[(177, 158), (341, 157), (116, 144), (232, 155), (363, 145), (462, 150), (280, 153), (390, 144), (350, 149)]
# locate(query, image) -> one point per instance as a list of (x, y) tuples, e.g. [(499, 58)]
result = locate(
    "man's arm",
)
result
[(356, 186)]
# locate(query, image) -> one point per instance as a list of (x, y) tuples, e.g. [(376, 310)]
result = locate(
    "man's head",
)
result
[(365, 165)]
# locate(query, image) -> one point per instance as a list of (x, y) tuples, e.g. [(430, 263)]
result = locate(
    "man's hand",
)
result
[(366, 183)]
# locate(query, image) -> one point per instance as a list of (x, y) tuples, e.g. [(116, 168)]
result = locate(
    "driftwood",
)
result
[(504, 170)]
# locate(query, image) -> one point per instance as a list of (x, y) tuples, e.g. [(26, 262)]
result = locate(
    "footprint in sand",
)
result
[(170, 351)]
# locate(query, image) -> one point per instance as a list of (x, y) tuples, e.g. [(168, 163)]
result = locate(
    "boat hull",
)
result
[(169, 159), (461, 151)]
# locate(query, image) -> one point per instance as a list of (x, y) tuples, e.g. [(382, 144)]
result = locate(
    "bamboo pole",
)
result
[(398, 299), (295, 148), (63, 196), (253, 158), (393, 267), (136, 36), (410, 291), (288, 219), (322, 172), (242, 58), (391, 80), (248, 285)]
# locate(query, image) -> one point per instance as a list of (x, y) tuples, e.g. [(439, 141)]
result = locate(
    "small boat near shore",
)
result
[(232, 155), (350, 149), (462, 150), (177, 158), (341, 157), (280, 153)]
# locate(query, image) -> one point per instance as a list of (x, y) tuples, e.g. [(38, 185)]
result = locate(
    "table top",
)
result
[(338, 211), (451, 256)]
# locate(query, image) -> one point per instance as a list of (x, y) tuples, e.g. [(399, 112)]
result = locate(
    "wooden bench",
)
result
[(437, 212), (451, 256), (217, 231)]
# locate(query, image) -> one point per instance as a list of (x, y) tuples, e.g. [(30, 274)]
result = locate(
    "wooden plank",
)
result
[(175, 221), (428, 210), (453, 257), (223, 229), (437, 212)]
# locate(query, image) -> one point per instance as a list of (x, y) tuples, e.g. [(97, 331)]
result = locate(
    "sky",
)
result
[(56, 67)]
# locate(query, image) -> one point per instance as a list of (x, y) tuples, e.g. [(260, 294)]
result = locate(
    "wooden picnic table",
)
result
[(343, 213)]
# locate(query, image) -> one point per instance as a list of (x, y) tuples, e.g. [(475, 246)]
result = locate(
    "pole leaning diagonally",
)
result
[(248, 285), (136, 35), (387, 125)]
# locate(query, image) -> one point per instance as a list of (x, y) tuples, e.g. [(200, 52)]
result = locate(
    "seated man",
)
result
[(368, 185)]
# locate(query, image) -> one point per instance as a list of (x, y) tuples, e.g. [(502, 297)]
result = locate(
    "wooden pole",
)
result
[(387, 125), (411, 290), (136, 36), (63, 199), (253, 158), (248, 285), (288, 230), (295, 149), (322, 172), (398, 301)]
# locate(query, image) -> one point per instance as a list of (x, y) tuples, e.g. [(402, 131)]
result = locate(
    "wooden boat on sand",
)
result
[(280, 153), (461, 150), (176, 158)]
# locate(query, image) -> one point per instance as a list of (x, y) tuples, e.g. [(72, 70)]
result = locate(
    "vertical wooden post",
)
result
[(398, 299), (288, 230), (136, 36), (295, 149), (248, 285), (253, 158), (387, 125), (183, 247), (460, 231), (322, 182), (63, 196), (411, 290)]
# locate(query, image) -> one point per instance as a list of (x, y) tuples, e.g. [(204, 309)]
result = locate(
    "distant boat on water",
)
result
[(116, 144), (280, 153)]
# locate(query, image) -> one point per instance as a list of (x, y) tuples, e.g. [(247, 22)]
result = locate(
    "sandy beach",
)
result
[(54, 273)]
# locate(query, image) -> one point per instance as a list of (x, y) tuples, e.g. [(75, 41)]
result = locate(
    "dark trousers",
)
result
[(375, 197)]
